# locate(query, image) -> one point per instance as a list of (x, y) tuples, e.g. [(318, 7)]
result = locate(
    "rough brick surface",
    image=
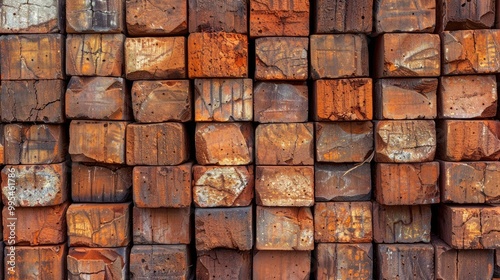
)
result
[(281, 264), (18, 16), (344, 261), (281, 58), (83, 16), (157, 17), (354, 16), (276, 102), (224, 264), (40, 262), (474, 14), (342, 182), (161, 225), (404, 16), (415, 261), (286, 18), (104, 263), (220, 15), (160, 262)]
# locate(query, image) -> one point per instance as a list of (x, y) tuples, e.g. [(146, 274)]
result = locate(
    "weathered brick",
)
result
[(155, 58), (404, 16), (222, 186), (469, 140), (223, 100), (97, 98), (344, 261), (157, 144), (224, 143), (35, 225), (281, 264), (162, 186), (105, 16), (34, 144), (344, 141), (286, 18), (97, 141), (284, 228), (33, 101), (339, 16), (161, 225), (343, 222), (284, 144), (276, 102), (408, 55), (32, 57), (456, 15), (157, 17), (470, 182), (23, 16), (160, 262), (468, 97), (471, 51), (405, 141), (400, 99), (339, 56), (94, 54), (342, 182), (343, 99), (284, 185), (40, 262), (224, 264), (217, 55), (103, 263), (223, 228), (35, 185), (98, 225), (412, 261), (407, 183), (281, 58), (220, 15)]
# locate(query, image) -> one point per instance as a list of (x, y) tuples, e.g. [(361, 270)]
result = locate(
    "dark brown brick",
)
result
[(414, 261), (339, 16), (474, 14), (84, 16), (404, 16), (160, 262), (220, 15), (344, 261), (342, 182), (276, 102), (224, 264)]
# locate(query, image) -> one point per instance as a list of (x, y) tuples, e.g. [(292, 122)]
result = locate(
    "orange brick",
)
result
[(108, 263), (83, 16), (214, 264), (40, 262), (344, 261), (287, 18), (160, 262), (157, 17), (404, 16), (162, 225), (281, 264), (281, 58), (276, 102), (393, 261), (355, 16)]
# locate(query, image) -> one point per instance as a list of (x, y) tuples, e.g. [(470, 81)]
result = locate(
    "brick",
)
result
[(287, 18), (475, 14), (35, 185), (224, 264), (343, 141), (104, 263), (97, 98), (217, 55), (281, 264), (157, 17), (404, 16), (224, 143), (343, 222), (229, 228), (155, 58), (99, 225), (21, 16), (496, 264), (161, 225), (343, 16), (222, 186), (97, 141), (2, 144), (469, 140), (401, 223), (160, 101), (160, 262), (162, 186), (284, 228), (94, 54), (223, 100), (407, 98), (407, 183), (405, 141), (468, 97), (41, 262), (35, 225), (96, 183), (408, 55), (461, 264), (284, 144), (168, 144), (34, 144), (216, 16), (470, 52), (284, 185), (339, 56), (415, 261), (343, 99), (469, 227), (281, 58), (344, 261), (32, 57), (470, 182), (334, 182), (276, 102), (106, 16), (33, 101)]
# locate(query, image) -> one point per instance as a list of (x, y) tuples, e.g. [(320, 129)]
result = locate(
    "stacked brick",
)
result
[(34, 142)]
